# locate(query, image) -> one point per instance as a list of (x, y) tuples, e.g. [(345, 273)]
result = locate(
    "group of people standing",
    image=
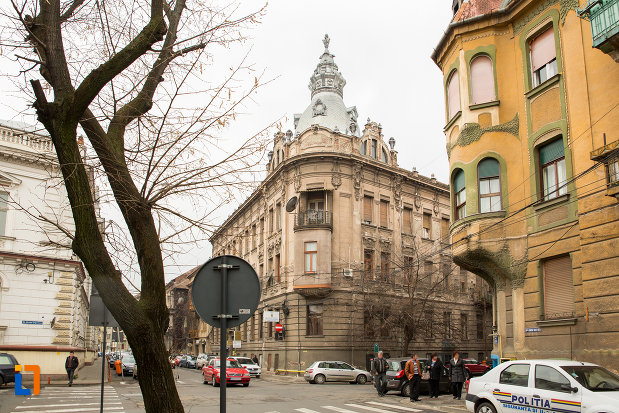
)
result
[(415, 373)]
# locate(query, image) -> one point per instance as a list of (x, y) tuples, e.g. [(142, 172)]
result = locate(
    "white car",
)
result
[(249, 365), (544, 386)]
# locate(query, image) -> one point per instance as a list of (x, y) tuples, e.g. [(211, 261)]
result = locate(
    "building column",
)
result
[(518, 314), (500, 319)]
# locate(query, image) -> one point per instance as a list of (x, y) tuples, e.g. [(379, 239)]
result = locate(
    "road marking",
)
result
[(406, 409), (306, 411), (372, 409), (180, 382), (65, 405), (338, 409), (94, 409)]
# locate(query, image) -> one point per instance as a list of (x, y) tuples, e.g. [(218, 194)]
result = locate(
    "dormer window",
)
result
[(374, 147), (364, 148)]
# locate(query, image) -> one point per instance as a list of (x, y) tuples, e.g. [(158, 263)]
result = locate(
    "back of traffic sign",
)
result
[(243, 291)]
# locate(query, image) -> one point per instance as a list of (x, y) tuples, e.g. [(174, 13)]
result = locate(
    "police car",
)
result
[(544, 386)]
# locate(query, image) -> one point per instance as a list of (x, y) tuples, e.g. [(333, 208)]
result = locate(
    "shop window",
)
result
[(543, 57), (311, 255), (314, 320), (552, 168), (459, 194), (482, 80), (453, 94), (488, 172)]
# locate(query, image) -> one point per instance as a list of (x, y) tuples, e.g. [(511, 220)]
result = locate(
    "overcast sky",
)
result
[(383, 51)]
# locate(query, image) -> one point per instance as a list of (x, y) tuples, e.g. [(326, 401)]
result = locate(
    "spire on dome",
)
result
[(326, 77)]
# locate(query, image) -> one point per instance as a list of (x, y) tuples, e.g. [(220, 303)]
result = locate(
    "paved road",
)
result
[(262, 396)]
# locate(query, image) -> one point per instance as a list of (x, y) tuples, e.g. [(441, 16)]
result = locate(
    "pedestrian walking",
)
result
[(435, 368), (412, 369), (70, 366), (457, 373), (380, 367)]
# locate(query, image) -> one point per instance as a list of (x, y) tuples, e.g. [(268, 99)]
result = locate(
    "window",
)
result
[(447, 323), (488, 172), (367, 209), (446, 271), (311, 254), (278, 276), (270, 328), (612, 170), (480, 325), (384, 265), (246, 242), (278, 216), (271, 221), (552, 165), (253, 236), (407, 220), (558, 287), (445, 230), (453, 94), (384, 158), (368, 262), (543, 57), (364, 147), (427, 226), (261, 231), (459, 194), (368, 324), (409, 267), (427, 268), (464, 323), (547, 378), (252, 331), (374, 148), (261, 270), (261, 326), (515, 375), (314, 320), (384, 213), (482, 80)]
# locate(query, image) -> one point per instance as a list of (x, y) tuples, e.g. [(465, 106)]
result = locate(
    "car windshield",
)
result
[(229, 363), (470, 361), (594, 378), (245, 361), (128, 360)]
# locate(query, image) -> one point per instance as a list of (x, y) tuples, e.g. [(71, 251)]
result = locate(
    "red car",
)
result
[(473, 367), (235, 373)]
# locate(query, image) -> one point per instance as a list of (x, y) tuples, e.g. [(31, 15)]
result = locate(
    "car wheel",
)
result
[(407, 390), (362, 379), (320, 379), (245, 384), (204, 379), (258, 376), (485, 407), (1, 380), (215, 382)]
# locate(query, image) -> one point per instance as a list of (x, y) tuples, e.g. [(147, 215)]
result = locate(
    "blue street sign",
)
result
[(38, 323)]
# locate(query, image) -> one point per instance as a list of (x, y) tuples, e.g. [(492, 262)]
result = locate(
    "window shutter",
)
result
[(488, 168), (453, 95), (558, 287), (459, 181), (445, 230), (551, 152), (407, 221), (482, 80), (543, 49), (367, 209), (427, 221), (383, 213)]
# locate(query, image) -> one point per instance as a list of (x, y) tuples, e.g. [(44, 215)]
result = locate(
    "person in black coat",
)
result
[(457, 373), (70, 366), (435, 367)]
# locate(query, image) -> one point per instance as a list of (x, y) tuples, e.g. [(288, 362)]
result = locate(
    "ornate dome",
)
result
[(327, 107)]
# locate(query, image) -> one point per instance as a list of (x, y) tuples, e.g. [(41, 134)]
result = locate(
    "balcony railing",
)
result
[(314, 219), (604, 17)]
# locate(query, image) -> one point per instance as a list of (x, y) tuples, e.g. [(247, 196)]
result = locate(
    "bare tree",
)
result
[(134, 78)]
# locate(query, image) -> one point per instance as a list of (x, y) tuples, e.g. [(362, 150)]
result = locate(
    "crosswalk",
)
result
[(71, 399), (361, 407)]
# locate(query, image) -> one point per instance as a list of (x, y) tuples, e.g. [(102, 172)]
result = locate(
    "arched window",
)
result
[(489, 175), (482, 80), (453, 94), (384, 156), (459, 194)]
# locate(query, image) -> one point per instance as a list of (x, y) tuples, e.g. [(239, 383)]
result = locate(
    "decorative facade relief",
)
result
[(319, 108), (417, 199), (336, 178), (357, 175), (297, 178), (396, 186), (436, 204)]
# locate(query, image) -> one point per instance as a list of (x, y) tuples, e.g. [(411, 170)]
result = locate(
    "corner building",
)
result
[(532, 90), (336, 232)]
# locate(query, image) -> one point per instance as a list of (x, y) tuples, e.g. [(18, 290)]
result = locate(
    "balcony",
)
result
[(312, 219), (604, 18), (313, 285)]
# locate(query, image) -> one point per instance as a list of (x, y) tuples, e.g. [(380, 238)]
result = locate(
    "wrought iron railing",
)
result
[(604, 18), (314, 218)]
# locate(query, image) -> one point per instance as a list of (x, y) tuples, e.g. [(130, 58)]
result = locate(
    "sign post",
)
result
[(218, 308)]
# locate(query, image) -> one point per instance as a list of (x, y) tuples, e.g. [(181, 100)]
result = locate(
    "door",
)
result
[(347, 371), (512, 391), (553, 390)]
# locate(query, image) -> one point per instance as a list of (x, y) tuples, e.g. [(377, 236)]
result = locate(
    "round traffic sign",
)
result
[(243, 291), (279, 328)]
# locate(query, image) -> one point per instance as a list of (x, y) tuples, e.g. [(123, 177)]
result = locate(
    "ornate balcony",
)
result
[(311, 219), (604, 18), (313, 285)]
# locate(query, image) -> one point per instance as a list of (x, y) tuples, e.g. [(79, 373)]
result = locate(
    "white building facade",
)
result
[(44, 289)]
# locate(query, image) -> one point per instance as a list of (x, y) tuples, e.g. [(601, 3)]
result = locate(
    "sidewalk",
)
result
[(87, 376), (444, 403), (281, 378)]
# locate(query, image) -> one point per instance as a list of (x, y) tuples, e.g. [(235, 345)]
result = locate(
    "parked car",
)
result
[(188, 362), (178, 360), (322, 371), (128, 364), (397, 380), (249, 365), (201, 360), (473, 367), (112, 359), (7, 368), (544, 385), (235, 373)]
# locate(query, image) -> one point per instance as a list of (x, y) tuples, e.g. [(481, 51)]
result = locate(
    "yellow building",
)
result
[(531, 94)]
